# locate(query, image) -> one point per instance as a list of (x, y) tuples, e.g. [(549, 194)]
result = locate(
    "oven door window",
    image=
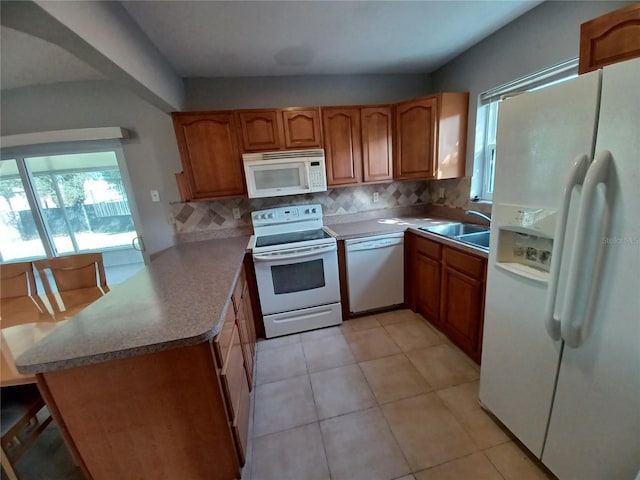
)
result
[(298, 277)]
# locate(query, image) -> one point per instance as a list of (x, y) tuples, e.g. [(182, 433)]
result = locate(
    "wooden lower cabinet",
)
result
[(447, 288), (179, 413)]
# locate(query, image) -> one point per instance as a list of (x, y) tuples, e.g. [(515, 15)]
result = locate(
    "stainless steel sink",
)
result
[(476, 235)]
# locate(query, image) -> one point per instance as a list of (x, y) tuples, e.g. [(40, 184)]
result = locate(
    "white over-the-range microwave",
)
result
[(288, 172)]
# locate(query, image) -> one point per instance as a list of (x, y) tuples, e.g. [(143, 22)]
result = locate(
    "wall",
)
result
[(544, 36), (298, 91), (151, 154)]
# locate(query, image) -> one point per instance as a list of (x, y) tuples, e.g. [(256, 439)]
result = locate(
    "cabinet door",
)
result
[(260, 130), (342, 145), (427, 285), (415, 136), (302, 128), (210, 155), (461, 314), (377, 156)]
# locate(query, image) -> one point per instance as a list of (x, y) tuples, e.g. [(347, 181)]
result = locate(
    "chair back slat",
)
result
[(17, 280), (72, 272)]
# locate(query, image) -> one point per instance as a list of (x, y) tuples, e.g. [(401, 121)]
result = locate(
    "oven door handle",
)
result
[(291, 254)]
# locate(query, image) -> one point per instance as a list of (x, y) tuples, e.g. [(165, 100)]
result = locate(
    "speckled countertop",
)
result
[(380, 226), (178, 300)]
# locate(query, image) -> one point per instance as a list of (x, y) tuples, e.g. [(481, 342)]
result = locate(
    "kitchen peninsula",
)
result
[(140, 383)]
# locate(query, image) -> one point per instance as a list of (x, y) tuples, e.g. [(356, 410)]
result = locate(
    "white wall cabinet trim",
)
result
[(58, 136)]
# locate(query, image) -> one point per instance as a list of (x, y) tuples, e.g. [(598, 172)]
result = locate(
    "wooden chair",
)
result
[(19, 299), (17, 280), (79, 281), (72, 272), (20, 405)]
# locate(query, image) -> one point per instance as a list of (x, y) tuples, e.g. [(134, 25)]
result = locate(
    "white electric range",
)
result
[(296, 265)]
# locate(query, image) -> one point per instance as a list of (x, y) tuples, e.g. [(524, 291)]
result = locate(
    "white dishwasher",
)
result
[(375, 272)]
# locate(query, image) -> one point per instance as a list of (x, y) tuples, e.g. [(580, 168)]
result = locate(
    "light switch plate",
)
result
[(441, 192), (376, 197), (236, 213)]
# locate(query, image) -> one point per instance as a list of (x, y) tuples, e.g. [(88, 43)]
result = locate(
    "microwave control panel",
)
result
[(316, 176)]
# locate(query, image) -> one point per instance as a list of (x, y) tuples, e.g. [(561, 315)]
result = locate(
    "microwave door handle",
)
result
[(299, 253)]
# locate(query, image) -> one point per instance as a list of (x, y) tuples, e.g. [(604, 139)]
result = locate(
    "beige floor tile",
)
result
[(327, 352), (473, 467), (313, 335), (393, 378), (371, 343), (395, 316), (513, 463), (462, 400), (279, 363), (362, 323), (407, 477), (427, 432), (442, 366), (413, 335), (341, 390), (277, 342), (361, 446), (290, 455), (283, 405)]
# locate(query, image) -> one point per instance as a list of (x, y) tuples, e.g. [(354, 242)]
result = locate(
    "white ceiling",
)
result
[(269, 38)]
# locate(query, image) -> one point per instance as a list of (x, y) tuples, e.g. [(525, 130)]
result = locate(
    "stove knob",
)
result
[(313, 210), (307, 211), (263, 216), (270, 215)]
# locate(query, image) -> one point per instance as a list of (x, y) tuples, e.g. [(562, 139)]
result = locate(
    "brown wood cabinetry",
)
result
[(377, 151), (447, 288), (357, 143), (278, 129), (210, 155), (343, 156), (610, 38), (431, 136)]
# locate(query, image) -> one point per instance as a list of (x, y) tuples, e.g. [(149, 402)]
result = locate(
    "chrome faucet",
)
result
[(481, 215)]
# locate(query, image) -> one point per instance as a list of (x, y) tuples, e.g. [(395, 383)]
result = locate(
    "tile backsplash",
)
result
[(212, 219)]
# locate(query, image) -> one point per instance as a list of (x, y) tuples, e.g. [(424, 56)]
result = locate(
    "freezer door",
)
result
[(539, 136), (594, 431)]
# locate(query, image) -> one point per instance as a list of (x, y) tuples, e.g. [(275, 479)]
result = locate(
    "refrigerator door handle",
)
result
[(587, 256), (576, 177)]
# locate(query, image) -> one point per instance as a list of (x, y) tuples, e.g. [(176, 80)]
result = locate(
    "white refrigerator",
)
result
[(561, 349)]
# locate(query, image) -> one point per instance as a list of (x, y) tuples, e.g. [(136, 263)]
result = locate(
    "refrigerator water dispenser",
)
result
[(525, 240)]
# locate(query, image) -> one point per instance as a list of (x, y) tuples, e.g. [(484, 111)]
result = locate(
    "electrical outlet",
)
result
[(376, 197), (236, 213), (155, 196), (441, 192)]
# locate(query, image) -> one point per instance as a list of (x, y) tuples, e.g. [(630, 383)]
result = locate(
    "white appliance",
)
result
[(561, 351), (289, 172), (375, 272), (296, 265)]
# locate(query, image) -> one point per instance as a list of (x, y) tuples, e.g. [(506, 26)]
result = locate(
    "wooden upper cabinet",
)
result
[(260, 130), (210, 155), (343, 155), (302, 128), (431, 137), (415, 138), (279, 129), (611, 38), (377, 151)]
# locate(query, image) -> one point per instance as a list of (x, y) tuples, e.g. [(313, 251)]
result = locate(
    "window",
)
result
[(487, 119), (66, 200)]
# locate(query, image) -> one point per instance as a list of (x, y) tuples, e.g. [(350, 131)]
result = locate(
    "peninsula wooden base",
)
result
[(161, 415)]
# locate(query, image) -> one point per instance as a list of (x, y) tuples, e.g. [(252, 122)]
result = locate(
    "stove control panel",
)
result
[(302, 214)]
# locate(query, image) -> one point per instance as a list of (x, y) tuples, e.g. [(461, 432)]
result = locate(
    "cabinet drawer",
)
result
[(232, 375), (464, 262), (429, 248), (223, 341)]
